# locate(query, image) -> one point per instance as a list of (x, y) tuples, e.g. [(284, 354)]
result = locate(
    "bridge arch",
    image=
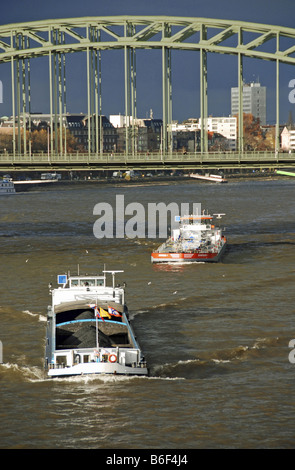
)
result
[(22, 42)]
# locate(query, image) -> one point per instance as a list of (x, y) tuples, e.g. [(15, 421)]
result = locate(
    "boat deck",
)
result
[(82, 334)]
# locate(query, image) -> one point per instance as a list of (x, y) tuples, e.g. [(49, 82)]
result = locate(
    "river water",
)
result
[(215, 336)]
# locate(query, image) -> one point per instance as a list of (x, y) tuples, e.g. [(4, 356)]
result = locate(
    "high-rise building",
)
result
[(254, 101)]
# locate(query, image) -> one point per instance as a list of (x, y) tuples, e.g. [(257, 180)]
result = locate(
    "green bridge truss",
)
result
[(22, 42)]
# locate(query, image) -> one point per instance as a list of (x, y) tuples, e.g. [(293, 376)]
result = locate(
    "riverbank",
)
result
[(146, 180), (163, 179)]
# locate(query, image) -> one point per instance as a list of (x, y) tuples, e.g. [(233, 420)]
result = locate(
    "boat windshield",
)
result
[(86, 282), (195, 219)]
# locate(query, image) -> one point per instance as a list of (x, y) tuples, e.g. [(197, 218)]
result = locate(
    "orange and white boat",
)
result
[(196, 239)]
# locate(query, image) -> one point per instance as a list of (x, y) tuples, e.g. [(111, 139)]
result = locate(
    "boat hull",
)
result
[(158, 257), (96, 368)]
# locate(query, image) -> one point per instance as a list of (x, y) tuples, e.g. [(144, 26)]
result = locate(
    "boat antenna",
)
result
[(113, 273), (78, 269)]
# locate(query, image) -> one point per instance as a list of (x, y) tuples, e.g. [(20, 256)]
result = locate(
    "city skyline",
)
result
[(222, 70)]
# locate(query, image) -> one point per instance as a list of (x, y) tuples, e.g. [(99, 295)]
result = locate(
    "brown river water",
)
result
[(215, 336)]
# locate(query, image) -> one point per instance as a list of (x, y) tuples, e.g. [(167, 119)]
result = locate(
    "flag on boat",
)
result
[(96, 311), (97, 314), (104, 313), (100, 312), (114, 312)]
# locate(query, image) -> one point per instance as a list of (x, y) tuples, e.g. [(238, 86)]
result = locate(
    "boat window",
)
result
[(74, 282), (61, 360), (88, 282), (99, 282)]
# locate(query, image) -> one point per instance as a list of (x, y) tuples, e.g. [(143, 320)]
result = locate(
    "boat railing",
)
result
[(178, 246), (55, 365), (130, 357)]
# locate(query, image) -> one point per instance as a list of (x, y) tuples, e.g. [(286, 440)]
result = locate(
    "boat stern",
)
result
[(92, 361)]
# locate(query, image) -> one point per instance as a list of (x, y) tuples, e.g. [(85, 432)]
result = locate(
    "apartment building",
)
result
[(254, 101), (225, 126)]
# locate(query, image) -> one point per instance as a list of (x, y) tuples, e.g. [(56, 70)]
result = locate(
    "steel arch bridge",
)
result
[(22, 42)]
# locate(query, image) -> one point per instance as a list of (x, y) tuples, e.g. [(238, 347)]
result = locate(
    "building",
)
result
[(77, 124), (186, 141), (109, 133), (149, 134), (119, 120), (254, 101), (288, 138), (189, 125), (76, 128), (144, 134), (224, 127)]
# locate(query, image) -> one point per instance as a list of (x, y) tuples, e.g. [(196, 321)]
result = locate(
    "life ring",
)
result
[(112, 358)]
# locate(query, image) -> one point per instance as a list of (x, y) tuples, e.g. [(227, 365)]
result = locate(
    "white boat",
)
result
[(88, 331), (196, 239), (207, 177), (6, 187)]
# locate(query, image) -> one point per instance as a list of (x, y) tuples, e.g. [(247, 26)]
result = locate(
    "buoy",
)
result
[(112, 358)]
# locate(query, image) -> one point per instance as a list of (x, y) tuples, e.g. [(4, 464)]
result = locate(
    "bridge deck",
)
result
[(42, 162)]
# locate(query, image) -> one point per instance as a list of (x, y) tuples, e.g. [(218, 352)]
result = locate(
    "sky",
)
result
[(222, 69)]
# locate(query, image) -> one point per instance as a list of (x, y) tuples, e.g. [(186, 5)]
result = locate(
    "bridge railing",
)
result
[(109, 158)]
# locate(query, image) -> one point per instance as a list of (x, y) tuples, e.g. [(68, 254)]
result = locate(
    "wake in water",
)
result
[(41, 318), (217, 363), (175, 302), (12, 312), (13, 372)]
